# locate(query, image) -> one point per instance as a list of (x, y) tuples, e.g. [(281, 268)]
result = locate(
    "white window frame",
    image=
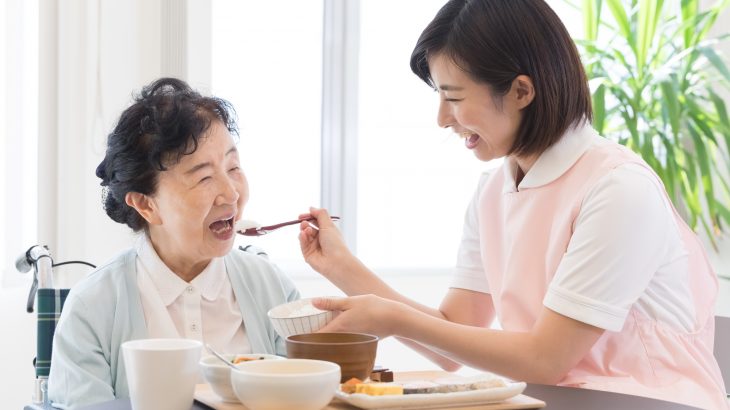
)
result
[(341, 38)]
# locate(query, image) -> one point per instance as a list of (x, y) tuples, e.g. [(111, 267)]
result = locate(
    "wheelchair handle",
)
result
[(38, 257)]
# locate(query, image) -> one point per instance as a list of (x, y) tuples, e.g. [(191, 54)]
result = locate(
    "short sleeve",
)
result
[(469, 273), (621, 236)]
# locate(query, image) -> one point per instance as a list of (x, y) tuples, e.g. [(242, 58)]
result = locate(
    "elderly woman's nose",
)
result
[(228, 192)]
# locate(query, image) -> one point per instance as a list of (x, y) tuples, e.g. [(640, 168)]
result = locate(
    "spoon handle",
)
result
[(218, 355), (279, 225)]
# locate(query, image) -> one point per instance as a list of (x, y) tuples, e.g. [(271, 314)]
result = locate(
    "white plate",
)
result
[(433, 400)]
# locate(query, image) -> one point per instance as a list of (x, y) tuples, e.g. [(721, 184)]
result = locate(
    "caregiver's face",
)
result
[(488, 124)]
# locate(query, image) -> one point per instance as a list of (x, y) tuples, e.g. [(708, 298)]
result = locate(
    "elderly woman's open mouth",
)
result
[(222, 228)]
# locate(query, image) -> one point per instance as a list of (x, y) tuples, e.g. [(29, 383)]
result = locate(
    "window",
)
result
[(411, 181), (18, 132), (414, 179), (267, 60)]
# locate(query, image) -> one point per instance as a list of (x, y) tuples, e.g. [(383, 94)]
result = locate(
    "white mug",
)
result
[(162, 373)]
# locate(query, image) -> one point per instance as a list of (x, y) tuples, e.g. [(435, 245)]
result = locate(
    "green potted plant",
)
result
[(654, 73)]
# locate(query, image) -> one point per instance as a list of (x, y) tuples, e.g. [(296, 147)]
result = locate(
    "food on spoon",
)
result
[(244, 224)]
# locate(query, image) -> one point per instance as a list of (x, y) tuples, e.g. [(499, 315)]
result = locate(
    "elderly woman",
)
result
[(171, 172)]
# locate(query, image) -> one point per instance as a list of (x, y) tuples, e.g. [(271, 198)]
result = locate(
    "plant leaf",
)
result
[(622, 21), (591, 18), (649, 12), (671, 102), (689, 13), (599, 108), (716, 61)]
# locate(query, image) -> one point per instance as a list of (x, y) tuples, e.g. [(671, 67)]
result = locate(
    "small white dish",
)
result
[(298, 317), (218, 375)]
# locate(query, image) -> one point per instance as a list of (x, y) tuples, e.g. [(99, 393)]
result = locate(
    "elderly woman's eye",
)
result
[(204, 179), (234, 169)]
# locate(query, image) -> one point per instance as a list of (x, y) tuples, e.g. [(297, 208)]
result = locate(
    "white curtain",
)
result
[(18, 145), (67, 85), (94, 56)]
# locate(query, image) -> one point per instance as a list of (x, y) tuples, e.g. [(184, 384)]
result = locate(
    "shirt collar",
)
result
[(170, 286), (554, 161)]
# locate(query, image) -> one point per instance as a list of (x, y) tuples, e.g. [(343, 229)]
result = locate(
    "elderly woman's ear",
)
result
[(145, 206)]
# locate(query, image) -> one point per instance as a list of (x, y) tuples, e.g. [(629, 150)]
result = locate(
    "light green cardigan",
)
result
[(104, 310)]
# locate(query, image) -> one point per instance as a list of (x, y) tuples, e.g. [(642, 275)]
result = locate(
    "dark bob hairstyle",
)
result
[(165, 122), (494, 41)]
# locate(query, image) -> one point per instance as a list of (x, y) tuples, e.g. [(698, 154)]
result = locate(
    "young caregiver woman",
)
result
[(573, 244)]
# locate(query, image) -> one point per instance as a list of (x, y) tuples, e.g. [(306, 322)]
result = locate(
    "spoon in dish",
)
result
[(218, 355), (252, 228)]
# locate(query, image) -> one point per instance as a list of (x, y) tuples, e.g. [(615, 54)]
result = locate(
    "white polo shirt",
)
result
[(652, 257), (204, 309)]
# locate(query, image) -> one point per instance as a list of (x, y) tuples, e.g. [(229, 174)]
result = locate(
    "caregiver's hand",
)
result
[(324, 249), (362, 314)]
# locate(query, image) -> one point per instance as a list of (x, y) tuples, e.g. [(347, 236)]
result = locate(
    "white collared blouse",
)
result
[(204, 309)]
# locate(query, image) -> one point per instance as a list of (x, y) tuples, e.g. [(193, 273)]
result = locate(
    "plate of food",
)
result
[(439, 392)]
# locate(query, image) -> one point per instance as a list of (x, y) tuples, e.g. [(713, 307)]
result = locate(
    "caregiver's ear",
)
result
[(522, 90)]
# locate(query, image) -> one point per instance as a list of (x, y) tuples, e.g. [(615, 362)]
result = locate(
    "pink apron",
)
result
[(645, 358)]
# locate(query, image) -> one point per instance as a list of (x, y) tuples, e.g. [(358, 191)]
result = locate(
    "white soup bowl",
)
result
[(218, 375), (300, 384)]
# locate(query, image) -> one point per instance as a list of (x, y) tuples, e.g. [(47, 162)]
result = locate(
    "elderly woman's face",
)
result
[(198, 201)]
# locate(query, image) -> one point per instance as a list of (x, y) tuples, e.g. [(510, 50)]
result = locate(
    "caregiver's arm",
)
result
[(325, 251), (461, 306), (554, 345), (544, 354)]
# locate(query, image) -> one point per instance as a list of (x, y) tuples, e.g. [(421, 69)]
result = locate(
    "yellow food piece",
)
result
[(350, 386), (379, 389)]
